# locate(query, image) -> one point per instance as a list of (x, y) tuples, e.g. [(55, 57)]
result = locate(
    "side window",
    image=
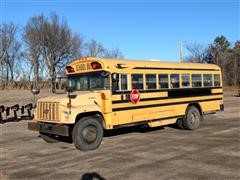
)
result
[(174, 81), (196, 80), (207, 80), (137, 81), (115, 83), (185, 80), (163, 81), (216, 80), (121, 82), (151, 81)]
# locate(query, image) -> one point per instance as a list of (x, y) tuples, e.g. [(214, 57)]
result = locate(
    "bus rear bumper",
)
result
[(56, 129)]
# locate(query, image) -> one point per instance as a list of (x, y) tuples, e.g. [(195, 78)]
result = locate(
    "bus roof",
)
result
[(117, 64)]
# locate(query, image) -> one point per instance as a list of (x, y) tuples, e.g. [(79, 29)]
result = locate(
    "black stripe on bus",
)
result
[(189, 92), (166, 90), (141, 91), (163, 104), (147, 121), (161, 98), (145, 99), (154, 68)]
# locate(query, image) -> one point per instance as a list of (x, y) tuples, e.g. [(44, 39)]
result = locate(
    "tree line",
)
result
[(222, 53), (39, 52), (41, 49)]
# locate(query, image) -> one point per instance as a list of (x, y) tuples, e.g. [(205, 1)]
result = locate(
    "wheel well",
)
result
[(95, 114), (197, 106)]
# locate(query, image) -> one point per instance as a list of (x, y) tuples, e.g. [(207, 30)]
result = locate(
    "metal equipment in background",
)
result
[(16, 112)]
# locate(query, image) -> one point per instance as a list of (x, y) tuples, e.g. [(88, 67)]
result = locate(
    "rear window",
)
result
[(216, 80)]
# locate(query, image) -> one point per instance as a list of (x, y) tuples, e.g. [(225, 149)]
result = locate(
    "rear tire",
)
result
[(48, 138), (87, 134), (192, 118)]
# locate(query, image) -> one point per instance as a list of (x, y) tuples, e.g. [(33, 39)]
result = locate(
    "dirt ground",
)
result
[(211, 152)]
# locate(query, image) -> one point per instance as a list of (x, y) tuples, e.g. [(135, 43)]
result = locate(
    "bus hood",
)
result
[(53, 98), (77, 98)]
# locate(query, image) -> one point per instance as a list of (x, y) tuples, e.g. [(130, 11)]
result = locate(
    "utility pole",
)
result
[(181, 51)]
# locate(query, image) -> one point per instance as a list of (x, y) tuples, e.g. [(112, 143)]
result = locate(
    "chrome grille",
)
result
[(48, 111)]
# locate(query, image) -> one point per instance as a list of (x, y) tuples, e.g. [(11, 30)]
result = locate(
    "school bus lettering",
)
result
[(112, 93), (83, 67), (89, 66)]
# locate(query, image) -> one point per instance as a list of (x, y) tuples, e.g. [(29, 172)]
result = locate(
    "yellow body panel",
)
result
[(214, 91), (162, 123)]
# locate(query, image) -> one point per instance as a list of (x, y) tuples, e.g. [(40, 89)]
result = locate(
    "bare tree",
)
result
[(95, 49), (32, 37), (57, 44), (9, 50), (49, 45), (237, 63), (114, 53), (221, 53), (198, 53)]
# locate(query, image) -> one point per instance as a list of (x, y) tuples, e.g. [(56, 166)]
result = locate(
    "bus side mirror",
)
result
[(114, 77)]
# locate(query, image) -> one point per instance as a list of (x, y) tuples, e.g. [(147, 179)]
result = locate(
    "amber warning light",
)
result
[(70, 69), (96, 65)]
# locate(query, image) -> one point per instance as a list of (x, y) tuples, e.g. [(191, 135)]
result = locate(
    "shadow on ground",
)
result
[(131, 129), (91, 176), (122, 131)]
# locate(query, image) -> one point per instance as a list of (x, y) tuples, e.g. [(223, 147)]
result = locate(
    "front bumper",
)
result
[(56, 129)]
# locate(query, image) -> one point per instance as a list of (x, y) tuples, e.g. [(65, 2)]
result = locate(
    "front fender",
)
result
[(83, 109)]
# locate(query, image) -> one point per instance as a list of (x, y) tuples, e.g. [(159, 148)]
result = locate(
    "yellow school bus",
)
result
[(112, 93)]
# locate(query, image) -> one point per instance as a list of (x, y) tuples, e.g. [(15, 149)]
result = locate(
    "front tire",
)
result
[(192, 119), (87, 134)]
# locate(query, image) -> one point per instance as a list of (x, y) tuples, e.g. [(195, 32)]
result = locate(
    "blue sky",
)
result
[(140, 29)]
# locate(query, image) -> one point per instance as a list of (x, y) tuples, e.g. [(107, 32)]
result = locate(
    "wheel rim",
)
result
[(193, 118), (89, 134)]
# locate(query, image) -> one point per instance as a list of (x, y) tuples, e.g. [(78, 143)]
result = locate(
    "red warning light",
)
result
[(70, 69), (96, 65)]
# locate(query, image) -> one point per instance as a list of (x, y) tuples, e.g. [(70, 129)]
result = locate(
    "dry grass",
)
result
[(21, 97)]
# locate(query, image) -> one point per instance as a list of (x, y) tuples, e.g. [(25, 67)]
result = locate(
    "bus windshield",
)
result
[(89, 81)]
